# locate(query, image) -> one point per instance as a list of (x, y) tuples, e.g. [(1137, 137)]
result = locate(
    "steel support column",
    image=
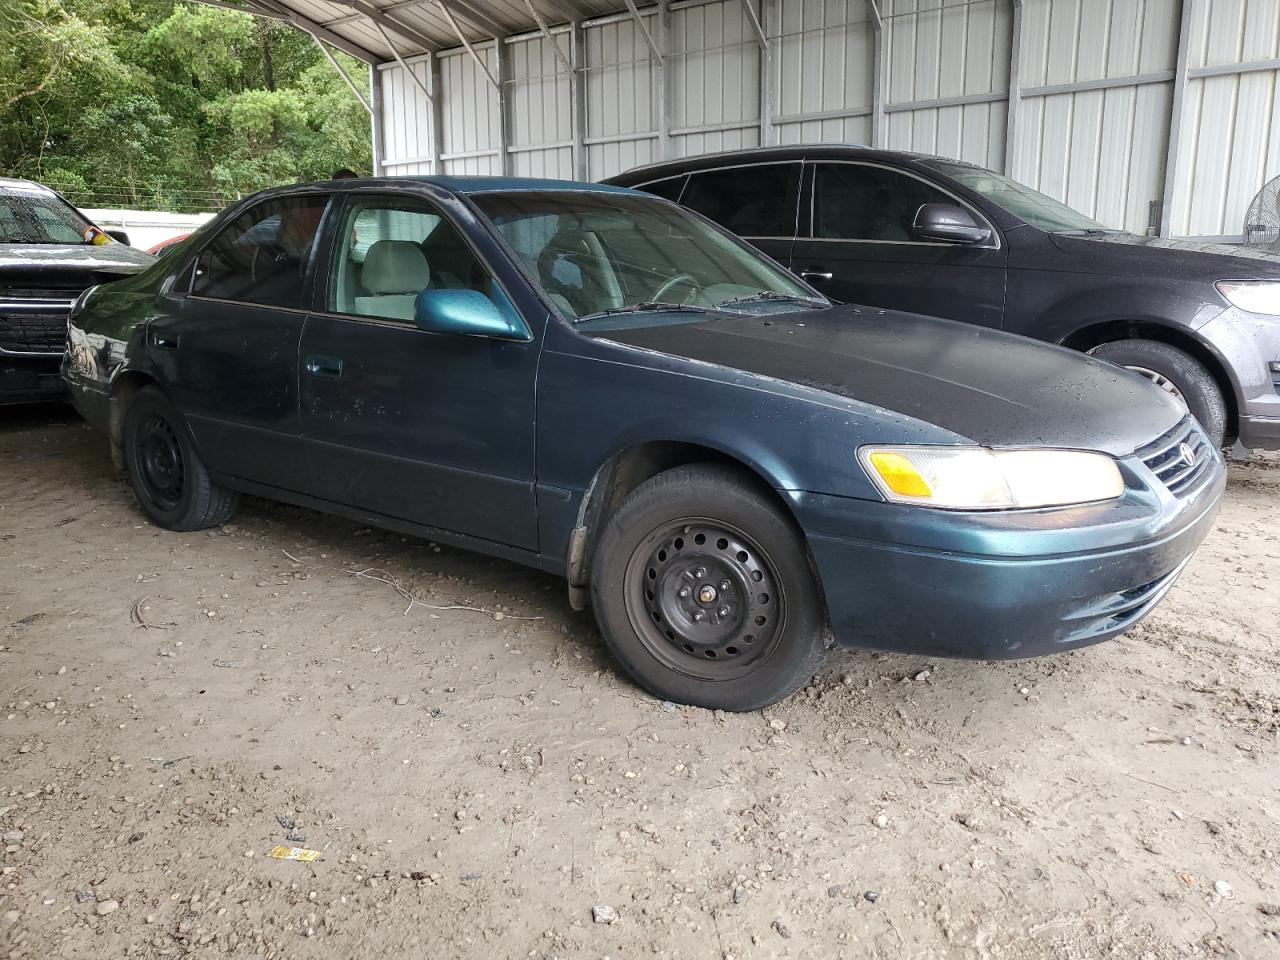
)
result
[(660, 46), (504, 113), (1015, 91), (769, 13), (375, 118), (437, 116), (878, 137), (1175, 119), (578, 101)]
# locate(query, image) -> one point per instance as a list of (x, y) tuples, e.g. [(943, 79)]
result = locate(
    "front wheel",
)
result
[(1179, 374), (704, 592), (169, 478)]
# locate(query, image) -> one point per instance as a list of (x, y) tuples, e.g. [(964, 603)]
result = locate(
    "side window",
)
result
[(390, 250), (262, 256), (757, 201), (666, 189), (855, 201)]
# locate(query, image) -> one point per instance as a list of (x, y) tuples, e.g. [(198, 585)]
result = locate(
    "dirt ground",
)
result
[(487, 786)]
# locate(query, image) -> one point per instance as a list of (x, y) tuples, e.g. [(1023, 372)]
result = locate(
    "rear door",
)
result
[(759, 202), (858, 246), (434, 429), (225, 345)]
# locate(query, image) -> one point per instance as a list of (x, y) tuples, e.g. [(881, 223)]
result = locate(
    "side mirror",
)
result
[(469, 313), (119, 236), (948, 223)]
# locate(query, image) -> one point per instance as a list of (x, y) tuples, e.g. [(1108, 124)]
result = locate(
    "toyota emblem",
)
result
[(1188, 453)]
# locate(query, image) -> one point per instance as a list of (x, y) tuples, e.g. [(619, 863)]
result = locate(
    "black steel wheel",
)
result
[(161, 469), (704, 598), (170, 480), (703, 590)]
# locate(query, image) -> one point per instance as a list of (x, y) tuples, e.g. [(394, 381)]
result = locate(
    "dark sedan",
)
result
[(949, 239), (49, 255), (596, 382)]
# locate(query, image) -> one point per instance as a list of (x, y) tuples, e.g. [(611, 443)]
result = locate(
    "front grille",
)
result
[(33, 321), (1167, 457)]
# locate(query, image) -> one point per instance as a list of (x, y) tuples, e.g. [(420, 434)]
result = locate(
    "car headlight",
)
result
[(1256, 296), (977, 478)]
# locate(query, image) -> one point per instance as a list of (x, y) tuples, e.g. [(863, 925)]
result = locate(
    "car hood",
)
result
[(108, 258), (1181, 258), (993, 388)]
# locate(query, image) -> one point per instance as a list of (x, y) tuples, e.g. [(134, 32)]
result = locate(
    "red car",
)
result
[(166, 244)]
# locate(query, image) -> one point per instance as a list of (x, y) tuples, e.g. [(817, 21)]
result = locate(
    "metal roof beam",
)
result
[(342, 73), (381, 20), (277, 11), (755, 24), (400, 60), (474, 16), (648, 37), (546, 33), (467, 43)]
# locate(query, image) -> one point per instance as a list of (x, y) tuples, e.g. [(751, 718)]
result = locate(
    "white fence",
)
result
[(146, 229)]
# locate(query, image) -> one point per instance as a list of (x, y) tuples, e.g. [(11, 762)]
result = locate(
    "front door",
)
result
[(861, 247), (434, 429), (226, 347)]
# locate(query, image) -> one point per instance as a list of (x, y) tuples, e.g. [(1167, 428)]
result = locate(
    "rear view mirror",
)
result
[(948, 223), (469, 313)]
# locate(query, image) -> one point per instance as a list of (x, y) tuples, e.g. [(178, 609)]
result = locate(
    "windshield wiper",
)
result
[(1090, 232), (770, 295), (648, 306)]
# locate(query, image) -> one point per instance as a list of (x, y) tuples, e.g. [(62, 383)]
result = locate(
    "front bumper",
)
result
[(1003, 585), (1248, 344), (30, 379)]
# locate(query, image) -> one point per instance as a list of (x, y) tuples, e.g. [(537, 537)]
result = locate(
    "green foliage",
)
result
[(168, 104)]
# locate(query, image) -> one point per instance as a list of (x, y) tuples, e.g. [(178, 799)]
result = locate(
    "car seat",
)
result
[(395, 272)]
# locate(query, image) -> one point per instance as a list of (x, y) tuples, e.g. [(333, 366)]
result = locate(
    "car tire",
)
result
[(170, 480), (1170, 367), (704, 592)]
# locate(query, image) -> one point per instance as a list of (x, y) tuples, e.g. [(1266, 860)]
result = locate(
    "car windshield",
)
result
[(1030, 205), (30, 217), (598, 255)]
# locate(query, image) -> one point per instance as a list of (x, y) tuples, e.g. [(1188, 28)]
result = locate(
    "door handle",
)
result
[(330, 367), (165, 341), (814, 273)]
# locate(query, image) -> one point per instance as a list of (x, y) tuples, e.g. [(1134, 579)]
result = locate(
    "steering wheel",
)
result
[(660, 295)]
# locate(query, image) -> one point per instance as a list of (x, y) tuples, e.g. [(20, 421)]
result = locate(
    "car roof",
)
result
[(468, 185), (24, 186), (472, 185), (799, 151)]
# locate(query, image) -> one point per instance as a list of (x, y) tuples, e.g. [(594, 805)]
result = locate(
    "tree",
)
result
[(168, 104)]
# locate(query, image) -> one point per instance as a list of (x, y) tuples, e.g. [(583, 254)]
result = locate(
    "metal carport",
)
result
[(1115, 106)]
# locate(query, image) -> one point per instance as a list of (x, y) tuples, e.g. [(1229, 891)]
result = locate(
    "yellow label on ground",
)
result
[(295, 853)]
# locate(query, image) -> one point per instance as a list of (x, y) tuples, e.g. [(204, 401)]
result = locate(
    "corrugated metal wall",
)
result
[(959, 51), (1230, 136), (1078, 98)]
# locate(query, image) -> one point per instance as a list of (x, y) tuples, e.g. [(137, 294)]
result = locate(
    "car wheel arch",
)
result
[(1112, 331), (123, 386), (626, 470)]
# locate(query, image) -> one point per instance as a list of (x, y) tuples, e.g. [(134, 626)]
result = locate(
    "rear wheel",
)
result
[(704, 592), (1179, 374), (169, 478)]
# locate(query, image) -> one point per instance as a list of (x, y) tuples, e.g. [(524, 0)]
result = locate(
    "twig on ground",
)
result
[(136, 616), (383, 576), (371, 573), (1150, 782)]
